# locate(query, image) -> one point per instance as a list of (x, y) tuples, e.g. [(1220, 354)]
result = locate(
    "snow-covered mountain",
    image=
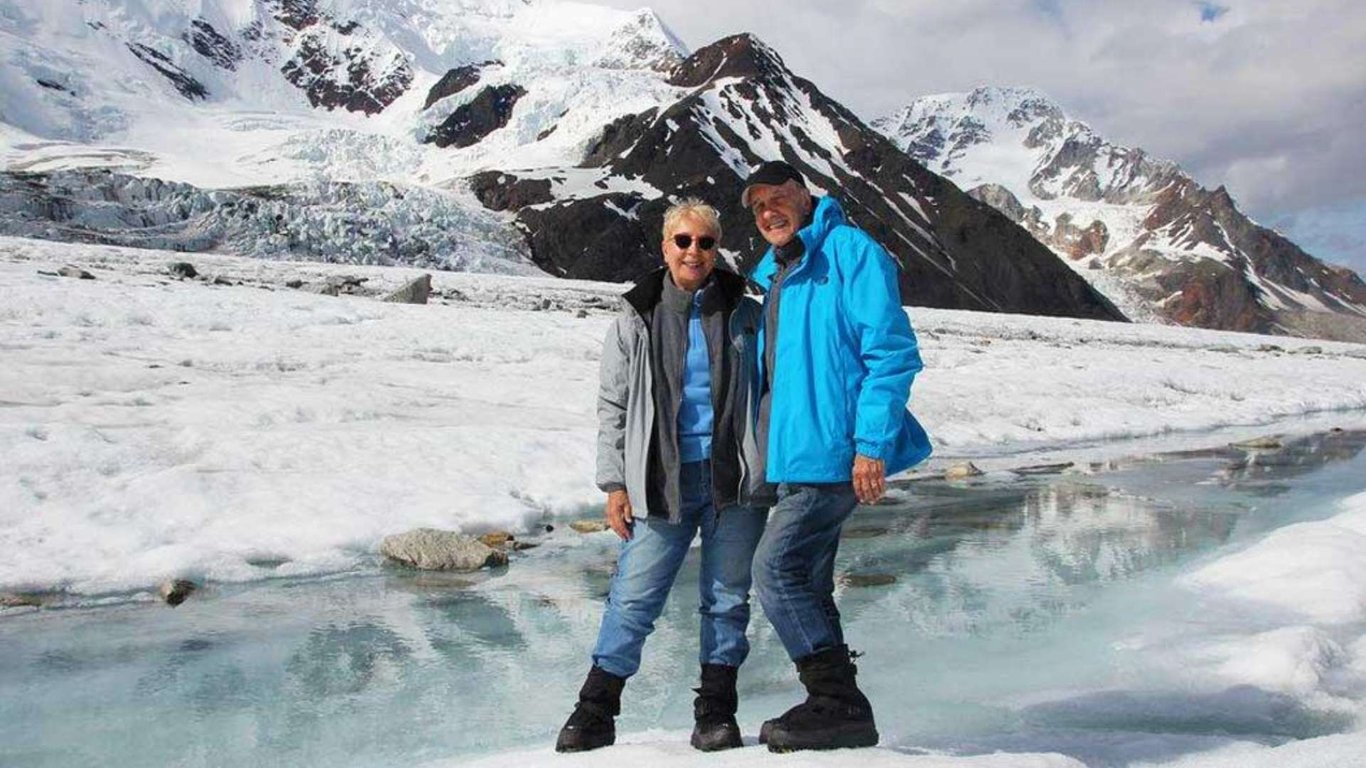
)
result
[(1146, 233), (498, 135), (332, 129), (737, 106)]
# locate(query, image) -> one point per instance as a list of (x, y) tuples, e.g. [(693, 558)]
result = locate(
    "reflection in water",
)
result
[(340, 660), (1264, 472), (973, 597), (984, 559), (476, 621)]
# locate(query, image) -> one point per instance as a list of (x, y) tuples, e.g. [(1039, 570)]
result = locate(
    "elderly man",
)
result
[(837, 359)]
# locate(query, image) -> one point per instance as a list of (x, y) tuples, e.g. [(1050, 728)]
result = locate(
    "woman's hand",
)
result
[(619, 517)]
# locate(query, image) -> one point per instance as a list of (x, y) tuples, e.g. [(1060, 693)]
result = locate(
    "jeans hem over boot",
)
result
[(714, 710), (592, 724), (835, 714)]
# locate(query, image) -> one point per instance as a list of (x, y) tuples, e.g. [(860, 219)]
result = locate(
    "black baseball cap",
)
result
[(773, 172)]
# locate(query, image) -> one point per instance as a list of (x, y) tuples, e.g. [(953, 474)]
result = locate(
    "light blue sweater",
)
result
[(695, 410)]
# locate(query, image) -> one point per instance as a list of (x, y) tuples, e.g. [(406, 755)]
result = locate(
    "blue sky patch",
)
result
[(1211, 11)]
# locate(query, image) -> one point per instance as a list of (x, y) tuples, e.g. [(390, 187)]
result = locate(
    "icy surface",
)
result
[(162, 428), (1030, 621)]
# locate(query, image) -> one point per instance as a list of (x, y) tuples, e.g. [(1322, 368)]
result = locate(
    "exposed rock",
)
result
[(183, 269), (336, 285), (1042, 469), (415, 292), (175, 591), (470, 123), (1265, 442), (296, 14), (867, 579), (962, 471), (212, 45), (77, 272), (497, 539), (430, 549), (54, 86), (589, 526), (189, 87), (455, 81), (356, 79), (499, 191), (20, 600)]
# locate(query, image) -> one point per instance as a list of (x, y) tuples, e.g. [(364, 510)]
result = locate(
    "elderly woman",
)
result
[(673, 452)]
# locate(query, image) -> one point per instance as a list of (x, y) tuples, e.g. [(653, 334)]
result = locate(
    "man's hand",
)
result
[(619, 517), (870, 479)]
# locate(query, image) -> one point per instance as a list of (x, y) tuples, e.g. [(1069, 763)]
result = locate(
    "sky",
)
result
[(1265, 97)]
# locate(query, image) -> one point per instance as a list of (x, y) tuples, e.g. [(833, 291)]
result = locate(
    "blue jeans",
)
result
[(650, 560), (794, 566)]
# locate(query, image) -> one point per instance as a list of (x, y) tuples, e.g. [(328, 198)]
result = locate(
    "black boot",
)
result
[(591, 725), (835, 714), (714, 710)]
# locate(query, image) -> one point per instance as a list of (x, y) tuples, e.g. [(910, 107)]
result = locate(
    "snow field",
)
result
[(155, 428)]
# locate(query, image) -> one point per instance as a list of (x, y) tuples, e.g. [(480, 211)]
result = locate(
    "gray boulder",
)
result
[(962, 471), (183, 269), (175, 591), (76, 272), (415, 292), (430, 549)]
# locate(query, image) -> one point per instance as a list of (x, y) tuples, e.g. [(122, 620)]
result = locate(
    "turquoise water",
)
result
[(1000, 613)]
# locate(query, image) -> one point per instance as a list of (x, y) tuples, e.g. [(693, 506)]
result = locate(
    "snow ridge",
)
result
[(1139, 228)]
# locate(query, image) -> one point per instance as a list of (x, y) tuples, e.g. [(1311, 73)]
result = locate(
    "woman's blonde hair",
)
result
[(691, 206)]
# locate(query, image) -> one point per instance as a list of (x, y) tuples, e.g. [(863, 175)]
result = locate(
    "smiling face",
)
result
[(779, 210), (691, 266)]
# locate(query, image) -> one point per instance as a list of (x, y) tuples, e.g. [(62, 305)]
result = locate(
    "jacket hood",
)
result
[(645, 296)]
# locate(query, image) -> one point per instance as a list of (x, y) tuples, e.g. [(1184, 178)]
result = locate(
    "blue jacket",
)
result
[(845, 358)]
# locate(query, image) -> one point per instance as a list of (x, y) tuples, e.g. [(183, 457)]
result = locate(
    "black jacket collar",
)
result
[(645, 296)]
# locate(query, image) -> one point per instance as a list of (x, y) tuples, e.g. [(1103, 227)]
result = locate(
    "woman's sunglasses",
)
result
[(704, 243)]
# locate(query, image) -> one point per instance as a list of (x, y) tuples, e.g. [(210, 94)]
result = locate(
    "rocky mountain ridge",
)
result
[(743, 106), (1141, 228)]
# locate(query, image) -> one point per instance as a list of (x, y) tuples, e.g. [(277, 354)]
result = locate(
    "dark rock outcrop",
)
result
[(212, 45), (350, 79), (499, 191), (189, 87), (455, 81), (470, 123), (296, 14)]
